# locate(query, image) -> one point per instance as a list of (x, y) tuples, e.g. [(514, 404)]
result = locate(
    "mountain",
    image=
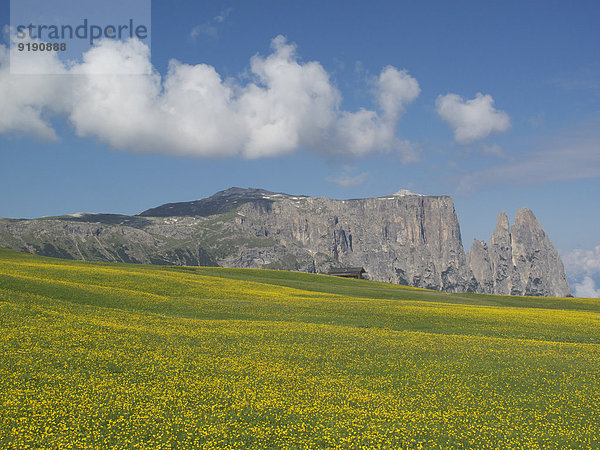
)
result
[(520, 260), (219, 203), (403, 238)]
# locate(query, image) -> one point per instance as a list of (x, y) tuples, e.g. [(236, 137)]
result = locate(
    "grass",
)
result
[(131, 356)]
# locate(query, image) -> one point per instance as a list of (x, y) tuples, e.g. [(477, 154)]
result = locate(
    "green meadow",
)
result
[(99, 355)]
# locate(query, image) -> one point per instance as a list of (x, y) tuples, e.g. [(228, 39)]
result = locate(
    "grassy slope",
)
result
[(379, 290), (101, 354)]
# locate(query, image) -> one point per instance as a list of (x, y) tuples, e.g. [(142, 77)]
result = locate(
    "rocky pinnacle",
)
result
[(520, 260)]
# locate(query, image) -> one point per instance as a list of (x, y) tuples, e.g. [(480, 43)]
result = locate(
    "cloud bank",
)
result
[(583, 262), (192, 110), (587, 289), (584, 265), (471, 120)]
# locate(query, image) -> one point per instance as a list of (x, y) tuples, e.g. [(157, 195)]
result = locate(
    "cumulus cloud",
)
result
[(395, 89), (583, 268), (583, 262), (28, 101), (192, 110), (471, 120), (587, 289)]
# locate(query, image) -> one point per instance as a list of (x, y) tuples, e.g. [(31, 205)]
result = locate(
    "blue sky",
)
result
[(494, 103)]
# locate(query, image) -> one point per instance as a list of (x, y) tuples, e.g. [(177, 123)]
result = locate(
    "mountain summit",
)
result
[(520, 260), (404, 238), (221, 202)]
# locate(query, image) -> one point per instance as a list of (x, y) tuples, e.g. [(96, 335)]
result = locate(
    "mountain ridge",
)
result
[(220, 202), (403, 238)]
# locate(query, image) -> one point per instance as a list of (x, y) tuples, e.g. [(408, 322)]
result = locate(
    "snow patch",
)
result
[(82, 214), (405, 193)]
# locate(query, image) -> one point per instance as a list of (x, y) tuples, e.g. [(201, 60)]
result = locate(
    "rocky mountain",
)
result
[(520, 260), (403, 238)]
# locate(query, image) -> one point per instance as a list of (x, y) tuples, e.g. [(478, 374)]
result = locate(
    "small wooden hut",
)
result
[(348, 272)]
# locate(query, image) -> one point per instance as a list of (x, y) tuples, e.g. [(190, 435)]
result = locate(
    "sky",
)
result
[(494, 103)]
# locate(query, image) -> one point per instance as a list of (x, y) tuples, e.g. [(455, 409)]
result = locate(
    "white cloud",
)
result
[(583, 268), (587, 289), (395, 89), (205, 28), (285, 106), (291, 104), (583, 262), (361, 131), (27, 101), (471, 120)]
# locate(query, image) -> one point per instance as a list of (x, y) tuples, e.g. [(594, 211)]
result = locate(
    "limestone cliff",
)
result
[(406, 238)]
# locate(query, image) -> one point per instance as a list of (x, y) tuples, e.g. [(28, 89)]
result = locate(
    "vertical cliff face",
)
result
[(536, 260), (501, 258), (478, 259), (405, 238), (520, 260)]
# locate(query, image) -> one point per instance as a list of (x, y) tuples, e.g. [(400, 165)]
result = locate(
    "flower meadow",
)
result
[(119, 356)]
